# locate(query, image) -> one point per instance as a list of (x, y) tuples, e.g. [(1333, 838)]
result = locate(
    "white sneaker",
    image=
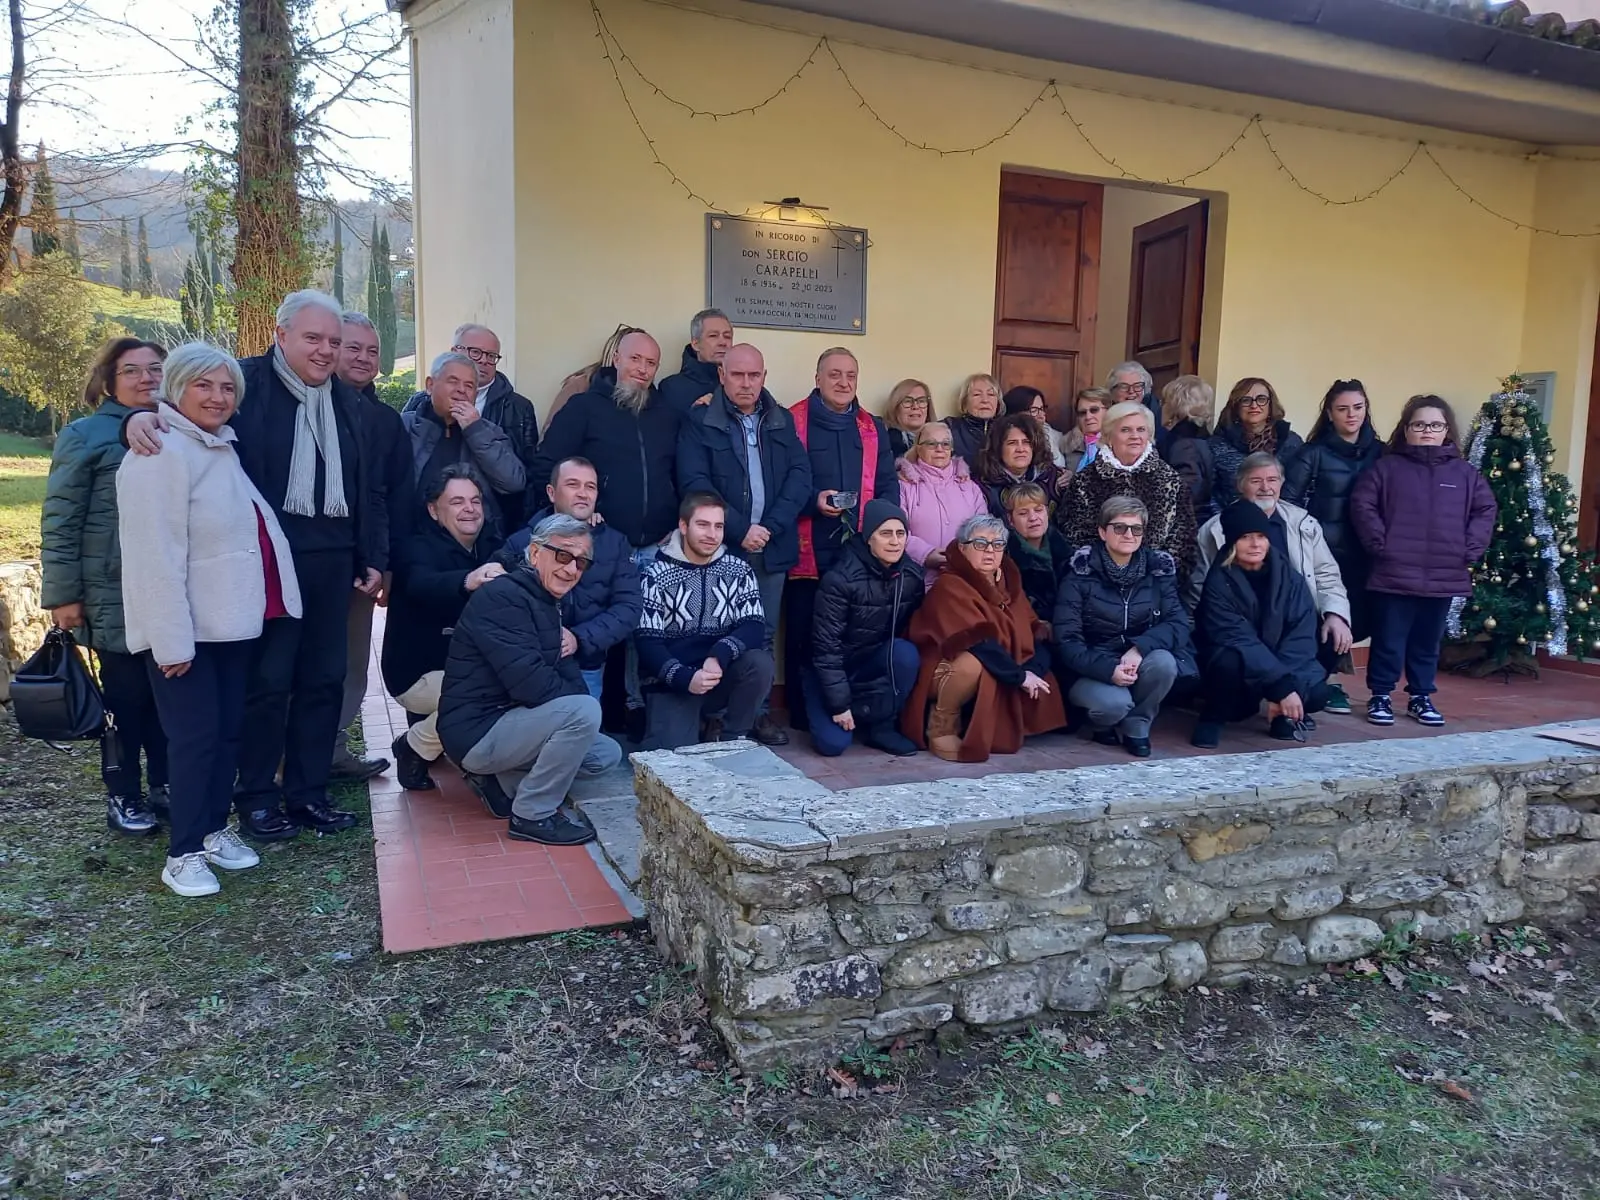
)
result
[(224, 849), (189, 875)]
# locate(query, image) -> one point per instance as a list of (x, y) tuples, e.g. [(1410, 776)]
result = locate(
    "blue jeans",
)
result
[(643, 556), (903, 662), (594, 680)]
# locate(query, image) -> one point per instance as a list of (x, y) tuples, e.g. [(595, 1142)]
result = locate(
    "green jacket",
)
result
[(81, 555)]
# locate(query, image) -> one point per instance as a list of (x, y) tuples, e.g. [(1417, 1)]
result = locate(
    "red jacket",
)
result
[(1424, 515)]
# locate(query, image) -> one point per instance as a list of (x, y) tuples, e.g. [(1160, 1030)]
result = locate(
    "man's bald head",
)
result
[(743, 374)]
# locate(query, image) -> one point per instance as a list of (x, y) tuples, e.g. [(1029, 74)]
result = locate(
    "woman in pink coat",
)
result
[(938, 493)]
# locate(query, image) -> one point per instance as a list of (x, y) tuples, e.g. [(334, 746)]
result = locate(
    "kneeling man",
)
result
[(515, 709)]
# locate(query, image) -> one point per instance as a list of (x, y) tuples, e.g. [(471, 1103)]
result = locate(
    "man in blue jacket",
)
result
[(702, 634), (743, 447)]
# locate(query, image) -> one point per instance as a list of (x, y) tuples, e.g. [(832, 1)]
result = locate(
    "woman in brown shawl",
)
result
[(981, 646)]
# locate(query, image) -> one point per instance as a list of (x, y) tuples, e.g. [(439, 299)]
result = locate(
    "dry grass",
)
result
[(24, 463)]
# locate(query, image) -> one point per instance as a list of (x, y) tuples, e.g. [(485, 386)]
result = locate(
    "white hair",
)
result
[(450, 358), (471, 327), (191, 360), (296, 303), (983, 523), (1130, 368), (352, 317)]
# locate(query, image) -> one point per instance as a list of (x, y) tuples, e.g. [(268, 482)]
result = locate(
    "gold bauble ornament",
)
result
[(1516, 464), (1521, 641), (1530, 541), (1594, 589), (1495, 474), (1490, 623), (1583, 606), (1538, 608)]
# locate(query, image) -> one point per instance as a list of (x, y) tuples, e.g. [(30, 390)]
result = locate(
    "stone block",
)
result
[(1581, 788), (1589, 826), (964, 865), (1406, 888), (1127, 852), (23, 623), (1369, 840), (850, 978), (1543, 891), (1205, 845), (898, 1021), (881, 924), (1251, 870), (1568, 863), (1290, 952), (1547, 822), (1482, 904), (1468, 796), (974, 916), (1340, 938), (917, 966), (1142, 975), (1012, 994), (1039, 871), (1027, 943), (1185, 963), (1430, 928), (1242, 943), (1307, 900), (908, 886), (787, 889), (1081, 985), (1121, 913), (1181, 903)]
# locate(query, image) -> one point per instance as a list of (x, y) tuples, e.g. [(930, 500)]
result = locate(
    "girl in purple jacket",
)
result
[(1424, 516)]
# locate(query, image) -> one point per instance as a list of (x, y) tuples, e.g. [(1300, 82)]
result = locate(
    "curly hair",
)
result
[(990, 462)]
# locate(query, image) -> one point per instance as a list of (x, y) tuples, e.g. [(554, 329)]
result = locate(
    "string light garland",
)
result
[(614, 54)]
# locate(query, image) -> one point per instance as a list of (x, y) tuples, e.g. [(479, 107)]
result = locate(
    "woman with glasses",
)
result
[(1252, 422), (1424, 515), (910, 408), (1081, 443), (976, 408), (938, 493), (1120, 628), (1030, 400), (81, 556), (1018, 452), (985, 682), (1130, 383)]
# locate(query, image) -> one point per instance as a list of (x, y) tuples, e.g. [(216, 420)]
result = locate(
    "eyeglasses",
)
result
[(985, 543), (478, 356), (1128, 389), (153, 371), (567, 557), (1037, 410), (915, 401), (1254, 401), (1123, 529), (1428, 426), (944, 444)]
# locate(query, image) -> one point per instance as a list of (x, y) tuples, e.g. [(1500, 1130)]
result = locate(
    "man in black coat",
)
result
[(514, 709), (710, 337), (298, 434), (446, 560), (383, 439), (743, 447)]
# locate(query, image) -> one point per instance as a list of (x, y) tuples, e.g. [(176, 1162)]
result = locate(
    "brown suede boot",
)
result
[(953, 685)]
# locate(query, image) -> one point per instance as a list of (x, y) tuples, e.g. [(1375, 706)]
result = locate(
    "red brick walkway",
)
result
[(447, 873)]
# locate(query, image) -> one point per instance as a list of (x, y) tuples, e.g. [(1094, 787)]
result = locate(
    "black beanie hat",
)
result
[(879, 511), (1242, 517)]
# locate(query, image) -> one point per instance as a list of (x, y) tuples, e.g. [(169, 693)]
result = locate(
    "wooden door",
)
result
[(1047, 279), (1164, 294), (1588, 497)]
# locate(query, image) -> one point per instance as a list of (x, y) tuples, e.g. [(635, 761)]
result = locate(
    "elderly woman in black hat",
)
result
[(1256, 631)]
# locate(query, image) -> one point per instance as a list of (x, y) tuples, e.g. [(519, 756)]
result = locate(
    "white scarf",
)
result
[(315, 432), (1113, 463)]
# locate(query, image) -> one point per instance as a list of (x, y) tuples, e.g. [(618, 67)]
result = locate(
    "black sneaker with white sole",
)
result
[(1422, 711), (1380, 711), (558, 829)]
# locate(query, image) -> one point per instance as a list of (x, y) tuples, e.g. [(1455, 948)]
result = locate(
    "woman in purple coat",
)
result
[(1424, 515)]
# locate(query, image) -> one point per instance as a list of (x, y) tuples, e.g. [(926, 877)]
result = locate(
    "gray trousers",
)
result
[(358, 657), (536, 753), (1129, 710), (672, 719)]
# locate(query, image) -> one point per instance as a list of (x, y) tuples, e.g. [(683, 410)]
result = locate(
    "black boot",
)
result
[(322, 818), (268, 825), (160, 801), (129, 815), (411, 768), (884, 736), (487, 788)]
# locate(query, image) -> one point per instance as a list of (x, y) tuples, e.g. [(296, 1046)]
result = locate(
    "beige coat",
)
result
[(1308, 554), (191, 555)]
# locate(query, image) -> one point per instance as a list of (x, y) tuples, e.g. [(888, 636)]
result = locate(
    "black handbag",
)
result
[(54, 696)]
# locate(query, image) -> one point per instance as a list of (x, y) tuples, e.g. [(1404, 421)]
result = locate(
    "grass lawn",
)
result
[(262, 1044), (24, 463), (109, 301)]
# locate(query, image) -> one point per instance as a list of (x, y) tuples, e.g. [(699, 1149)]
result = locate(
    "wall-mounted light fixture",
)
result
[(789, 207)]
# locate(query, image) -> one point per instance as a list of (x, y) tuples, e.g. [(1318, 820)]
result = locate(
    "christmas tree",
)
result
[(1531, 591)]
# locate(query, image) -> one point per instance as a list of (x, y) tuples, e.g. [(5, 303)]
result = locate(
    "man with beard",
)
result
[(710, 336), (298, 438)]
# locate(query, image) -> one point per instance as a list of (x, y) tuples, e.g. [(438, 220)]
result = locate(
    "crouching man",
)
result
[(514, 709)]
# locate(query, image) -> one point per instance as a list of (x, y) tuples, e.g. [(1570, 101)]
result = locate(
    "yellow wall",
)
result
[(1415, 290), (1124, 208)]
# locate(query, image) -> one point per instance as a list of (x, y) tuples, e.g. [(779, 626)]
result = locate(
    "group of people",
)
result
[(220, 533)]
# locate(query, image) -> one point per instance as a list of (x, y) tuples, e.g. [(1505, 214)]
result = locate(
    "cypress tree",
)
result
[(386, 317), (372, 273), (205, 289), (147, 282), (188, 299), (127, 258), (70, 241), (44, 225), (338, 258)]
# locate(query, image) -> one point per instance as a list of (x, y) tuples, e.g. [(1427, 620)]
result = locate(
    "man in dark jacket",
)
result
[(514, 707), (384, 446), (602, 609), (449, 430), (447, 560), (850, 456), (701, 635), (743, 447), (710, 337)]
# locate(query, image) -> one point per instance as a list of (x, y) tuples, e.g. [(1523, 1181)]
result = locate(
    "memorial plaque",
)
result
[(787, 275)]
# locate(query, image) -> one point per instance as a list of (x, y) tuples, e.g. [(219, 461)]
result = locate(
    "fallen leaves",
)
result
[(1439, 1017)]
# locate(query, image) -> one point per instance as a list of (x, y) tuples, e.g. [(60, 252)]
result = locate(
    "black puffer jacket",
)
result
[(1041, 569), (1320, 481), (693, 380), (1096, 620), (1188, 452), (429, 593), (1278, 645), (969, 435), (505, 654), (1229, 449), (861, 606)]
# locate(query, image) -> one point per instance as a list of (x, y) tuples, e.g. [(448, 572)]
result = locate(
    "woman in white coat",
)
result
[(205, 566)]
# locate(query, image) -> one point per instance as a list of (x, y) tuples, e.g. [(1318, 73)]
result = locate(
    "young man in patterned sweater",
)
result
[(702, 633)]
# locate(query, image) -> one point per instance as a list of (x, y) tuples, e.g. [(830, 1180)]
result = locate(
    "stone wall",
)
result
[(23, 623), (815, 919)]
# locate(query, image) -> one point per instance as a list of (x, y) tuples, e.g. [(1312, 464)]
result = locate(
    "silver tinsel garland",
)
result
[(1483, 427)]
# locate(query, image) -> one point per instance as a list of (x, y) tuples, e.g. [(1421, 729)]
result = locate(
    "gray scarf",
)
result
[(315, 432)]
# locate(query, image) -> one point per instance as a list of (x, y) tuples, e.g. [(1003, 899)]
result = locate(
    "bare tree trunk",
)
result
[(270, 257), (16, 176)]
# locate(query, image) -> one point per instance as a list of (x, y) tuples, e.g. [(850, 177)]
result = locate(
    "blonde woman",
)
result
[(1188, 407), (977, 405), (910, 408), (938, 493)]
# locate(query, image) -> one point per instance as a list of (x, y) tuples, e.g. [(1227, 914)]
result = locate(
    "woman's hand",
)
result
[(935, 560), (68, 616), (845, 721), (1034, 686), (1127, 669), (176, 669)]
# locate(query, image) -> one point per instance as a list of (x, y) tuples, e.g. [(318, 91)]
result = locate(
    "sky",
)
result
[(126, 90)]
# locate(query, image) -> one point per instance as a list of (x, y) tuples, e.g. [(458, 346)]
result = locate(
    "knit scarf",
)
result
[(1126, 575), (315, 432), (1265, 442)]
